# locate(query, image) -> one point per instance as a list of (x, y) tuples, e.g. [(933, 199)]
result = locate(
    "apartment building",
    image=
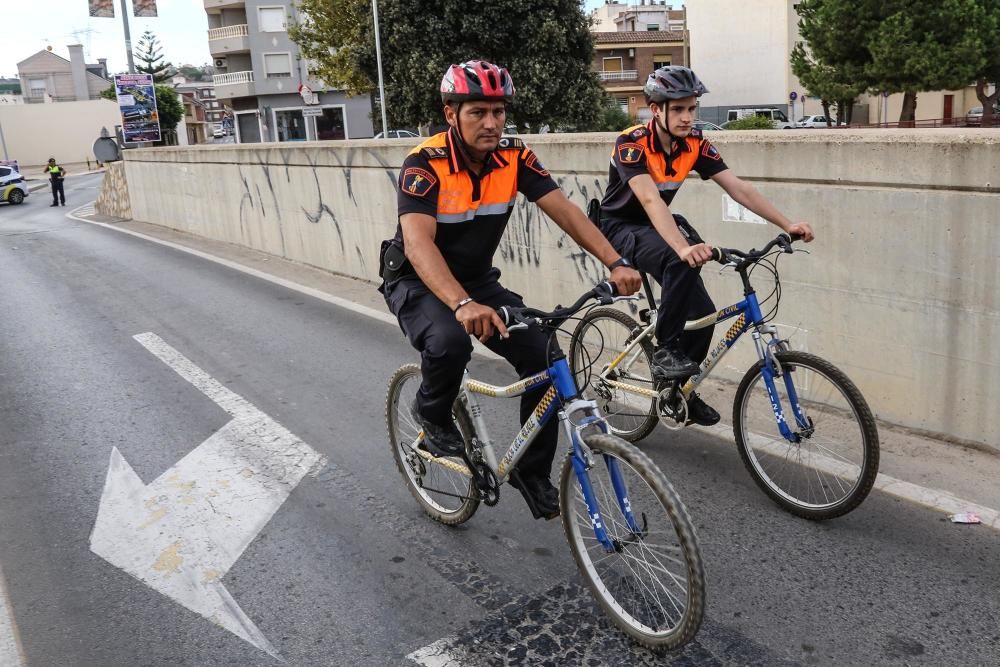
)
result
[(641, 15), (624, 60), (266, 82), (46, 77), (204, 107)]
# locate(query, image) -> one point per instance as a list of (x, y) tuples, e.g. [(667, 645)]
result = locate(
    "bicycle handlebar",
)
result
[(515, 317), (745, 258)]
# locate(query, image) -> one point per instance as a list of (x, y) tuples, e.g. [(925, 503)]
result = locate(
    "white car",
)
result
[(13, 189), (814, 121), (218, 132), (398, 134)]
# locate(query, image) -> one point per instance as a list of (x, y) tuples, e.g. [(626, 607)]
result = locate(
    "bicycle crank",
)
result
[(672, 407)]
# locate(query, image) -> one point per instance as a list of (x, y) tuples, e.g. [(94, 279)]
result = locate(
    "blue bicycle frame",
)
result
[(575, 414)]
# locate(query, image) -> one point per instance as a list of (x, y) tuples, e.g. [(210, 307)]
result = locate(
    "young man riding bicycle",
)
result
[(455, 194), (648, 166)]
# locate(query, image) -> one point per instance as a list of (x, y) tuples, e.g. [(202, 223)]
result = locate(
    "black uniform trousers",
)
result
[(683, 295), (445, 350), (57, 191)]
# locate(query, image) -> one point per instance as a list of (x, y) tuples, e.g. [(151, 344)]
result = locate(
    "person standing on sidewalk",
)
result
[(56, 175)]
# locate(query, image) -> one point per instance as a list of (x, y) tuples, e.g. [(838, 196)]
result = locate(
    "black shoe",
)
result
[(701, 413), (439, 440), (51, 205), (669, 363), (63, 204), (538, 492)]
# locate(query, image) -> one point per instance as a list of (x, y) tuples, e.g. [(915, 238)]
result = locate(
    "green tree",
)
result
[(611, 118), (546, 45), (920, 46), (751, 123), (150, 54), (990, 73), (830, 61), (168, 107)]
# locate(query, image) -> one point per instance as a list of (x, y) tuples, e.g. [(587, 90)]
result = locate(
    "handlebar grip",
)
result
[(796, 237), (717, 255), (505, 316)]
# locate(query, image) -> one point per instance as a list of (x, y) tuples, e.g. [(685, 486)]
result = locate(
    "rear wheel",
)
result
[(652, 585), (597, 342), (832, 468), (444, 492)]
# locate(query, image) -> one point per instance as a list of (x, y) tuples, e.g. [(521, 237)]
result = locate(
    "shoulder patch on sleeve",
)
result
[(417, 181), (434, 153), (507, 143), (710, 151), (639, 132), (630, 153), (696, 133), (534, 164)]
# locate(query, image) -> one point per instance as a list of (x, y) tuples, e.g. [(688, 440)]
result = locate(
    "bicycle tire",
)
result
[(638, 419), (431, 504), (854, 409), (640, 470)]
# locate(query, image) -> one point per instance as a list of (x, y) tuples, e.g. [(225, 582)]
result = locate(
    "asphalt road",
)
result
[(349, 571)]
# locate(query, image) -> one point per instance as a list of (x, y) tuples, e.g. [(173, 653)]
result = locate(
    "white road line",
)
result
[(11, 653), (438, 654), (932, 498)]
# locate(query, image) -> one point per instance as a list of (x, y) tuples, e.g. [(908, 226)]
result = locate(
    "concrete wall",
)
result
[(899, 291), (67, 131)]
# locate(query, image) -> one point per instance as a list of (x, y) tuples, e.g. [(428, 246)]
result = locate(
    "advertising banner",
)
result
[(102, 9), (137, 104), (144, 8)]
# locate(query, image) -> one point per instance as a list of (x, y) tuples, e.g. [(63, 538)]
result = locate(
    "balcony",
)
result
[(621, 75), (224, 4), (229, 39), (233, 84)]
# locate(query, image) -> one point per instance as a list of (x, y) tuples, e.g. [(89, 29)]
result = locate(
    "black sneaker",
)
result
[(439, 440), (701, 413), (538, 492), (669, 363)]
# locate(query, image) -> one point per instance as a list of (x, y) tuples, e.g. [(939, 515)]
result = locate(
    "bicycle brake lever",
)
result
[(517, 327), (634, 297)]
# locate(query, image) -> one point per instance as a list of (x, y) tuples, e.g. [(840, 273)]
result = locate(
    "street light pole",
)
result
[(378, 59), (128, 38)]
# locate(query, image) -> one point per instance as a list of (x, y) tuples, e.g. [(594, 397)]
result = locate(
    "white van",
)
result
[(777, 116)]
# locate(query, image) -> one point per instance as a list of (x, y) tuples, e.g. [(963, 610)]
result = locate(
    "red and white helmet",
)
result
[(476, 80)]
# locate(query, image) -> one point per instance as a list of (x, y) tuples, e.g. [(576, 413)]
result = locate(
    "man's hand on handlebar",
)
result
[(627, 280), (696, 255), (801, 229), (480, 321)]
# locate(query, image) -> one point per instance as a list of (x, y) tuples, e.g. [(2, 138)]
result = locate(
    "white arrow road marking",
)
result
[(182, 533)]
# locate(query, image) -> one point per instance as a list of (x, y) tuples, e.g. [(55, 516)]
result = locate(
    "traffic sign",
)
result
[(793, 96), (312, 111)]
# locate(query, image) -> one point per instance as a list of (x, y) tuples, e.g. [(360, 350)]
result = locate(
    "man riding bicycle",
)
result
[(456, 192), (648, 166)]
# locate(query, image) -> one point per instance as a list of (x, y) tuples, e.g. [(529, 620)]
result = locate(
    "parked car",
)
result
[(975, 116), (13, 189), (705, 125), (219, 132), (777, 116), (814, 121), (398, 134)]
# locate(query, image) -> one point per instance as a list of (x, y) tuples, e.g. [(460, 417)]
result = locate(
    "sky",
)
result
[(31, 25)]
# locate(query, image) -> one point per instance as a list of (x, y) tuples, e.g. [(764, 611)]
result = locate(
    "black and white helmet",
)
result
[(673, 82)]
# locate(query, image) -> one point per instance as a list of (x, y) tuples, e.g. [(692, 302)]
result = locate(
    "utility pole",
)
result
[(381, 83), (128, 38)]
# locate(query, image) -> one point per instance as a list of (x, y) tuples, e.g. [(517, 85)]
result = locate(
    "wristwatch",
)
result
[(621, 261)]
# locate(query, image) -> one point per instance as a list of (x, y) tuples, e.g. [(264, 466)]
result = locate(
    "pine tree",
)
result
[(149, 53)]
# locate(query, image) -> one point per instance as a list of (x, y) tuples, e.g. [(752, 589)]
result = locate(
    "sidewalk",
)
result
[(936, 466)]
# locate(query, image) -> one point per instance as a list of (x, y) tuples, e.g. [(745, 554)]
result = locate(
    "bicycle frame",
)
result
[(749, 317), (575, 414)]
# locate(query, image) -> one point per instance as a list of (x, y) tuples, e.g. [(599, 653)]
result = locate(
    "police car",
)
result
[(13, 189)]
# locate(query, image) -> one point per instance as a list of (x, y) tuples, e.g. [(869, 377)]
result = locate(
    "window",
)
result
[(622, 103), (36, 88), (271, 19), (278, 65), (612, 64), (4, 172), (661, 61), (331, 125), (653, 27)]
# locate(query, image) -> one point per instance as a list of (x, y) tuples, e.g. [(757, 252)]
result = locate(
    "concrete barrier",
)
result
[(899, 291)]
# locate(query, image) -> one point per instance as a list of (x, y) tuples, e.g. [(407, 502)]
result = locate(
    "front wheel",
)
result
[(624, 393), (15, 197), (444, 492), (832, 467), (652, 583)]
